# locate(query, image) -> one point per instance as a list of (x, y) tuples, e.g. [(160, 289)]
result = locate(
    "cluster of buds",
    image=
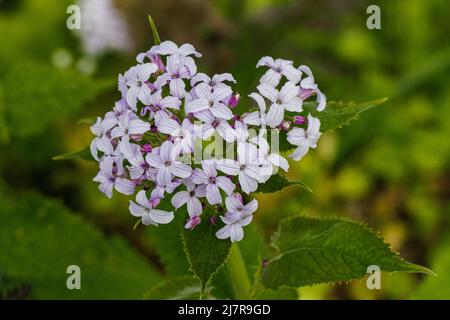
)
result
[(149, 143)]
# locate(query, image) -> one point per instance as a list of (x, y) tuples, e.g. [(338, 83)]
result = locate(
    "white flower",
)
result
[(129, 126), (179, 55), (215, 83), (211, 124), (308, 84), (257, 118), (167, 164), (139, 168), (175, 73), (285, 99), (208, 176), (237, 216), (213, 101), (277, 68), (190, 197), (159, 106), (136, 79), (304, 139), (160, 189), (110, 180), (268, 161), (246, 167), (143, 209), (181, 135), (99, 129)]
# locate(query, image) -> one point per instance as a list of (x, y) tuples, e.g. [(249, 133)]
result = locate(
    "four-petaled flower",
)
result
[(144, 209), (285, 99), (278, 68), (136, 82), (208, 177), (165, 160), (304, 139), (238, 215)]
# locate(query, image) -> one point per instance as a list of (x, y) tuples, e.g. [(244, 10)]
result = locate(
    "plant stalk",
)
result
[(238, 274)]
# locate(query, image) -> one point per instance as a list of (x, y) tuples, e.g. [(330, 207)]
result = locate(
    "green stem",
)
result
[(238, 274)]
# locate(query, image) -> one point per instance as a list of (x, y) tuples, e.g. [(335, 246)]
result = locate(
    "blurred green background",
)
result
[(389, 169)]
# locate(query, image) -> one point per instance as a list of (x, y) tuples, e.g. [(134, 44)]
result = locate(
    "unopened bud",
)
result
[(285, 125), (234, 100), (191, 223), (299, 120), (146, 148)]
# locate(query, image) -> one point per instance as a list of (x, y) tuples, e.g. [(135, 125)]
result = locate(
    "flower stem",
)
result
[(238, 274)]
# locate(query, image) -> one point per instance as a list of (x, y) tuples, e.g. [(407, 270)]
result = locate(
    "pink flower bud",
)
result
[(234, 100), (305, 93), (146, 148), (191, 223), (285, 125), (213, 220), (299, 120), (154, 202)]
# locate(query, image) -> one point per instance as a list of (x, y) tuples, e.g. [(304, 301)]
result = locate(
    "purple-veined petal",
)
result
[(223, 232), (236, 232), (250, 207), (228, 166), (194, 207), (275, 115), (268, 91), (225, 184), (199, 177), (213, 194), (221, 111), (160, 216), (136, 210), (142, 200), (181, 170), (124, 186), (137, 126), (247, 183)]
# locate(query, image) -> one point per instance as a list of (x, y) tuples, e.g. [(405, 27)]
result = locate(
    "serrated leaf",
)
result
[(35, 95), (155, 33), (312, 251), (338, 114), (181, 288), (84, 154), (206, 253), (40, 238), (278, 182)]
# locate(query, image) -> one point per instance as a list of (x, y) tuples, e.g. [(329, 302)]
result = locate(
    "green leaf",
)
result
[(338, 114), (278, 182), (84, 154), (36, 95), (205, 252), (42, 238), (181, 288), (312, 251), (156, 38)]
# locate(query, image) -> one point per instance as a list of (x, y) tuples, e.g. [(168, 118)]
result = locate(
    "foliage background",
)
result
[(390, 168)]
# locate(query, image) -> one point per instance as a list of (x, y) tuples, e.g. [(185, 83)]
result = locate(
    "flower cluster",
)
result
[(147, 143)]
